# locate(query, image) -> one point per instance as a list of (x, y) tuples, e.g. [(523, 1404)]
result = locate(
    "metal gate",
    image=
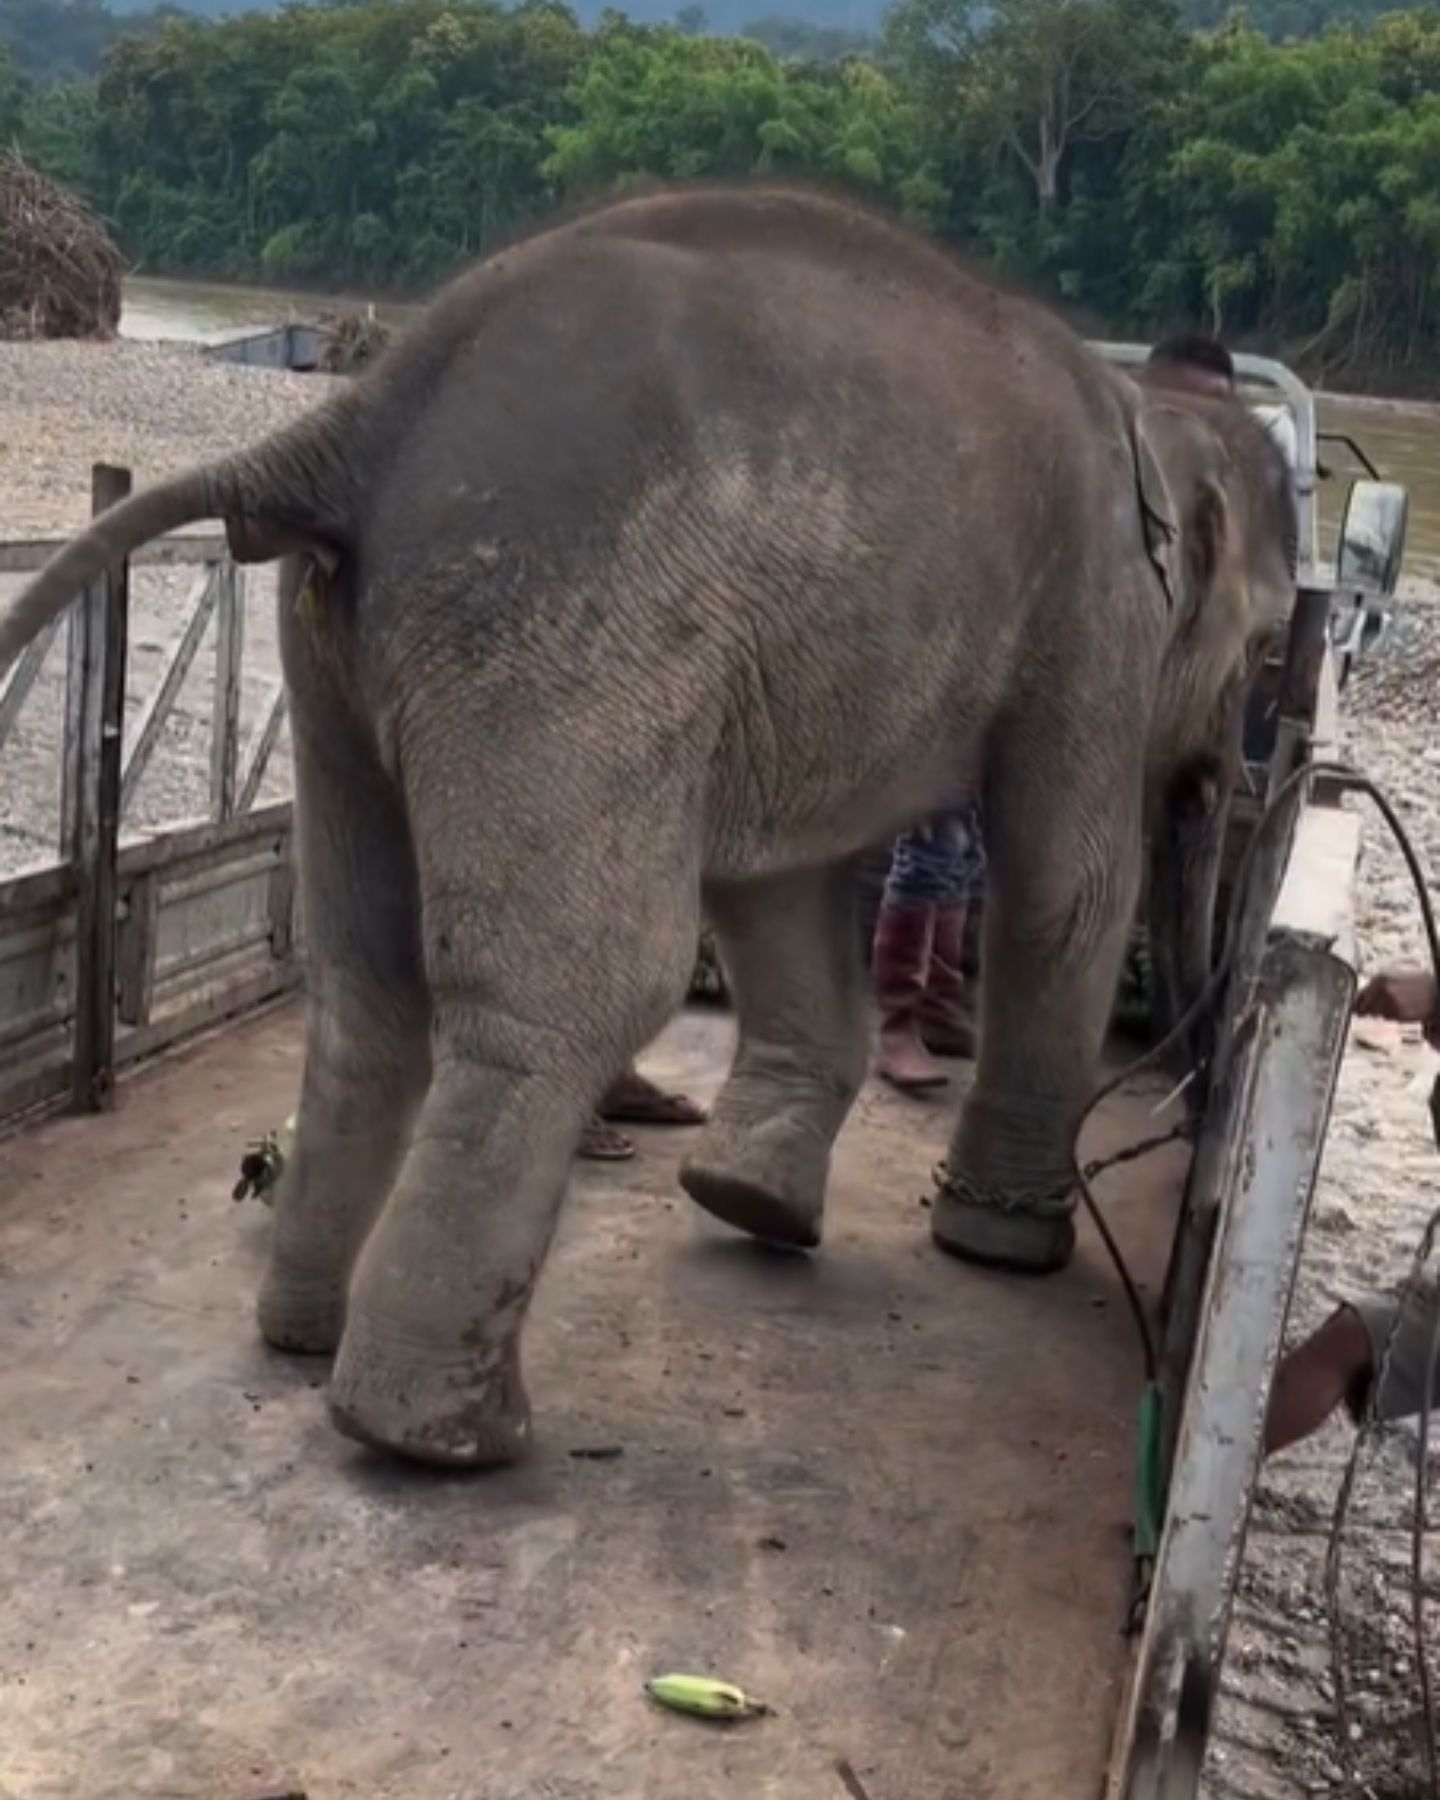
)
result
[(116, 950)]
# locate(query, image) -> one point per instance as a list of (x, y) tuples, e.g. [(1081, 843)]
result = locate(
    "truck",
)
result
[(965, 1535)]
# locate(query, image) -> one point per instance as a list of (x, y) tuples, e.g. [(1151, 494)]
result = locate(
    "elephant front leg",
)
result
[(1064, 859), (791, 952), (1188, 846)]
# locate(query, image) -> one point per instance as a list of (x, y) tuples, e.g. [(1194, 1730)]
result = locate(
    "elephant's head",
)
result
[(1221, 525)]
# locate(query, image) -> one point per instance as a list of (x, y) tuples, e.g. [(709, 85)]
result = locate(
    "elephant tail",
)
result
[(293, 491)]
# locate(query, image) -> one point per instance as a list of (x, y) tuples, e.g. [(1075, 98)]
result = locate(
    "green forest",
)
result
[(1148, 165)]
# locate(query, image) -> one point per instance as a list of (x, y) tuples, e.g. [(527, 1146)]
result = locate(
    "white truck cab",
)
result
[(1364, 576)]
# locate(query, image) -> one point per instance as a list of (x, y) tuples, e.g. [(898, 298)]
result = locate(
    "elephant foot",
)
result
[(411, 1400), (1033, 1235), (304, 1316), (774, 1190)]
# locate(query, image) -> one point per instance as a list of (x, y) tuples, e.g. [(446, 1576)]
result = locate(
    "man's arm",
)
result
[(1337, 1365)]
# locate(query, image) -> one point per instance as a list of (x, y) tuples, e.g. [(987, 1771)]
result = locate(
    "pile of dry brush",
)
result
[(353, 340), (60, 270)]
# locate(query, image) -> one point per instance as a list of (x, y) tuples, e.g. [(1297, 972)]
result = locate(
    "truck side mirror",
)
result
[(1372, 537), (1367, 566)]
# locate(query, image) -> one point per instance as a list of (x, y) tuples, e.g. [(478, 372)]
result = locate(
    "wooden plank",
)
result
[(225, 723), (162, 704), (48, 1011), (37, 974), (23, 678), (76, 641), (19, 1031), (283, 934), (192, 843), (244, 864), (204, 964), (226, 999), (100, 715), (264, 750), (186, 843), (37, 1085), (50, 887), (29, 1092), (178, 551), (172, 936), (135, 957)]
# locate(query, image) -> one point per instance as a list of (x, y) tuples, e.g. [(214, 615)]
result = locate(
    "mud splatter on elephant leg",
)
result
[(789, 943)]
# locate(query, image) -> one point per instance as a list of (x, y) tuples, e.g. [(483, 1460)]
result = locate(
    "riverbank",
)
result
[(157, 309), (166, 309), (150, 408)]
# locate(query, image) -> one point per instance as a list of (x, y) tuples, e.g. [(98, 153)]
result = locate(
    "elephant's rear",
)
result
[(781, 482)]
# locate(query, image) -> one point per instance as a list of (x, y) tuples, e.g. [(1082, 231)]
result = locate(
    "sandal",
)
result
[(632, 1100), (598, 1143)]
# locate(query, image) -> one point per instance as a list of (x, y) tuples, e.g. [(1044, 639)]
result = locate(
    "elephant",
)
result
[(685, 550)]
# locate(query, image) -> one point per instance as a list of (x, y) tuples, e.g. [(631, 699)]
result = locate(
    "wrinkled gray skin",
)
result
[(681, 553)]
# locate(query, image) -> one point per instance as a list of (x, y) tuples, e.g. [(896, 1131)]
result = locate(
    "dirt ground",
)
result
[(886, 1492)]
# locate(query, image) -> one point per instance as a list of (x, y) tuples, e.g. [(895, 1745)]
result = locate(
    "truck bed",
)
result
[(887, 1492)]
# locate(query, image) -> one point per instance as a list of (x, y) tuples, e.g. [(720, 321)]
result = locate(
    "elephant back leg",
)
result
[(789, 946), (367, 1008), (560, 916)]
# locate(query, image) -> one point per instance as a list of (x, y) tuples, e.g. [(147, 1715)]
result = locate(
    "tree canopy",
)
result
[(1284, 192)]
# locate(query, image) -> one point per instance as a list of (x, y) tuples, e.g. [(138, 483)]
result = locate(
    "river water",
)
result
[(200, 311), (1402, 439)]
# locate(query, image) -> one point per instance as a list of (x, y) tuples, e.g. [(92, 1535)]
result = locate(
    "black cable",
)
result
[(1198, 1007), (1359, 783), (1210, 993), (1355, 782), (1419, 1526)]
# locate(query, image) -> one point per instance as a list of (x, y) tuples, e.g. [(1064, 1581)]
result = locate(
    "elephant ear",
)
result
[(1159, 514)]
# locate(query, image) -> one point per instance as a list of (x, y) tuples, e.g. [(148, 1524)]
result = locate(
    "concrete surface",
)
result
[(885, 1491)]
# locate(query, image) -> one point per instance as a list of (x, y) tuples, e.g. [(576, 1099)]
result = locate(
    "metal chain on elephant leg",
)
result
[(1051, 1202), (1057, 1201), (708, 984), (1134, 998)]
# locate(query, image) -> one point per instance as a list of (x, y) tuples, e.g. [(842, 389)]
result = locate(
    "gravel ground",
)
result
[(1378, 1187), (155, 410), (159, 409)]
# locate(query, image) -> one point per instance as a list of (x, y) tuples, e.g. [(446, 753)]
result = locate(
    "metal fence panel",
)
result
[(114, 952)]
